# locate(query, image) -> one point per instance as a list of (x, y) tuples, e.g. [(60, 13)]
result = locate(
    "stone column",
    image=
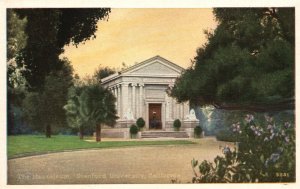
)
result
[(171, 108), (115, 94), (163, 116), (124, 99), (181, 111), (186, 109), (167, 107), (147, 116), (119, 100), (141, 102), (175, 109), (133, 100)]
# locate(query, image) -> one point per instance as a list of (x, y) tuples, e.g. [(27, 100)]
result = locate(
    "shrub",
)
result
[(177, 124), (140, 122), (197, 131), (133, 130), (226, 135), (263, 154)]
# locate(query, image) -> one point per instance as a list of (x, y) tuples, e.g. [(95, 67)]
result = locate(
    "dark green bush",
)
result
[(133, 129), (197, 131), (140, 122), (226, 135), (177, 124)]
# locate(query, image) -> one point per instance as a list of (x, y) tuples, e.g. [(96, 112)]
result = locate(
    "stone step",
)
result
[(160, 134)]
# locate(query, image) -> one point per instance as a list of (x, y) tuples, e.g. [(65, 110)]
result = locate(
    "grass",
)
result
[(27, 145)]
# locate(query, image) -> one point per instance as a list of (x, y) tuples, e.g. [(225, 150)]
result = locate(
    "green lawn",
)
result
[(26, 145)]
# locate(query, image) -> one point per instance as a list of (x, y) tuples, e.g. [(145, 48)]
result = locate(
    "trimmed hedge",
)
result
[(140, 122), (177, 124), (197, 131), (133, 129)]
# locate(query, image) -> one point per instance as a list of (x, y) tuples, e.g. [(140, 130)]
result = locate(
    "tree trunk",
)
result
[(98, 133), (48, 131), (81, 133)]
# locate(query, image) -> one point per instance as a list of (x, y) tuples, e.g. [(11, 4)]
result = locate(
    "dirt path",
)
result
[(152, 164)]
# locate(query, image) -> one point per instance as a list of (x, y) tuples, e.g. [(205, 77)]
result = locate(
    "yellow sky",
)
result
[(134, 35)]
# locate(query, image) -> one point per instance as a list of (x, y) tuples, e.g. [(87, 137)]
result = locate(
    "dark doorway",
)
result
[(155, 116)]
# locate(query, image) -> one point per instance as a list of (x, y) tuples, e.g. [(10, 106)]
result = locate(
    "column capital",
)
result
[(124, 84), (133, 84), (141, 84)]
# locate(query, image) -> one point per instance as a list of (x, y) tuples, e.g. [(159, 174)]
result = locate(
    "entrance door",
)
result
[(155, 116)]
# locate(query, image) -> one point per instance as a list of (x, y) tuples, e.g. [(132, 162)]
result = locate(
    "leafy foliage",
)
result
[(48, 31), (133, 129), (140, 122), (36, 38), (45, 107), (197, 131), (102, 72), (247, 63), (177, 124), (72, 108), (265, 153), (97, 107), (16, 37)]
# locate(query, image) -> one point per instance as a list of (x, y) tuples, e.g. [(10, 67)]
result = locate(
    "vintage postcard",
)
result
[(104, 94)]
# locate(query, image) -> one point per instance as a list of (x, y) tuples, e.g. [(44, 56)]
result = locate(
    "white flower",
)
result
[(268, 118), (266, 139), (258, 134), (287, 125), (249, 118), (287, 139), (274, 157), (226, 149), (269, 127)]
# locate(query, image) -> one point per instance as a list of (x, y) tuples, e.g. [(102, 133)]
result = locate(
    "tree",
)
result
[(36, 39), (44, 109), (98, 107), (73, 107), (16, 37), (48, 31), (247, 64), (102, 72), (16, 40)]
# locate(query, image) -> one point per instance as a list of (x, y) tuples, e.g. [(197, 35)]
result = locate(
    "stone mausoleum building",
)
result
[(140, 91)]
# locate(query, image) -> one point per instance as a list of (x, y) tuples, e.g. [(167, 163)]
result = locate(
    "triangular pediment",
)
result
[(154, 66)]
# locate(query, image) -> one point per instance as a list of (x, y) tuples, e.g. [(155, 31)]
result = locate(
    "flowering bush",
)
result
[(263, 154)]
